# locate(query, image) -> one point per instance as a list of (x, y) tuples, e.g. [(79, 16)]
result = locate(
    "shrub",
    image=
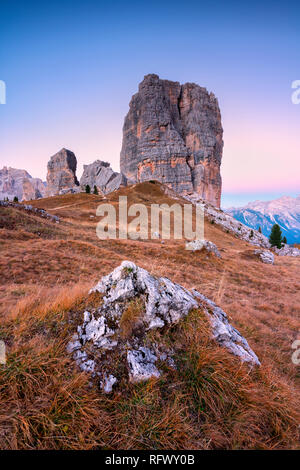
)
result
[(88, 189)]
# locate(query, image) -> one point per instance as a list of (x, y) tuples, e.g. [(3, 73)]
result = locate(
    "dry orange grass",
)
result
[(129, 320), (210, 402)]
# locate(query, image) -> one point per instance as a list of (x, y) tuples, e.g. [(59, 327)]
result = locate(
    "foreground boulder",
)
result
[(61, 175), (101, 175), (113, 337), (173, 134)]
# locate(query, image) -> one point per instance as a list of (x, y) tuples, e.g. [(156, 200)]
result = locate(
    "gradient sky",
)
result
[(71, 67)]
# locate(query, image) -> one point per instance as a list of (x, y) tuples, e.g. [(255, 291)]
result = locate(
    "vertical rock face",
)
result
[(19, 183), (101, 175), (61, 175), (173, 133)]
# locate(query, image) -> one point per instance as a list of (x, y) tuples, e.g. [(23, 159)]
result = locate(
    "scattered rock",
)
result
[(107, 383), (265, 256), (155, 235), (198, 245), (287, 250), (74, 190), (29, 208), (100, 338), (173, 134)]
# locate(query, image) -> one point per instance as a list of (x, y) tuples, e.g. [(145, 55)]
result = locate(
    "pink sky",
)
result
[(71, 68), (260, 155)]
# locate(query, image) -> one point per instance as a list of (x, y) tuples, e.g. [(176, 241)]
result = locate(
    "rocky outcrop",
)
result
[(173, 134), (101, 175), (33, 210), (229, 224), (265, 256), (206, 245), (61, 175), (19, 183), (113, 330), (287, 250)]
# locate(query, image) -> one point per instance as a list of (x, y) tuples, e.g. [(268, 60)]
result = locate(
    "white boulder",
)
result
[(162, 303), (198, 245), (287, 250), (265, 256)]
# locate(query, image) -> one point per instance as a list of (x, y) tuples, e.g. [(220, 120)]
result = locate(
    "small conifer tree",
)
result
[(275, 237), (95, 190), (88, 189), (259, 229), (284, 240), (16, 199)]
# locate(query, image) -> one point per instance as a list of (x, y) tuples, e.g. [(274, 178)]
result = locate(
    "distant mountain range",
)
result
[(284, 211)]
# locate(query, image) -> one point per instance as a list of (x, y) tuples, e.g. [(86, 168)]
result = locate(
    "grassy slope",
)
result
[(210, 402)]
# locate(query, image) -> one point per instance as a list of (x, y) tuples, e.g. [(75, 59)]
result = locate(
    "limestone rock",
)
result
[(30, 209), (198, 245), (19, 183), (142, 365), (61, 175), (229, 223), (73, 190), (287, 250), (101, 175), (107, 383), (265, 256), (224, 333), (163, 303), (173, 134)]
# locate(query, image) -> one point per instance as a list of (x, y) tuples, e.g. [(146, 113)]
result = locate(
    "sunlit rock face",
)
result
[(19, 183), (61, 174), (173, 134), (101, 175)]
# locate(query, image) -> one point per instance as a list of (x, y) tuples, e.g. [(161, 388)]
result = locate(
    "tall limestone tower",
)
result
[(173, 134)]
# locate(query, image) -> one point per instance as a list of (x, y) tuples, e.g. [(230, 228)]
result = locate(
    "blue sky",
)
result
[(71, 67)]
